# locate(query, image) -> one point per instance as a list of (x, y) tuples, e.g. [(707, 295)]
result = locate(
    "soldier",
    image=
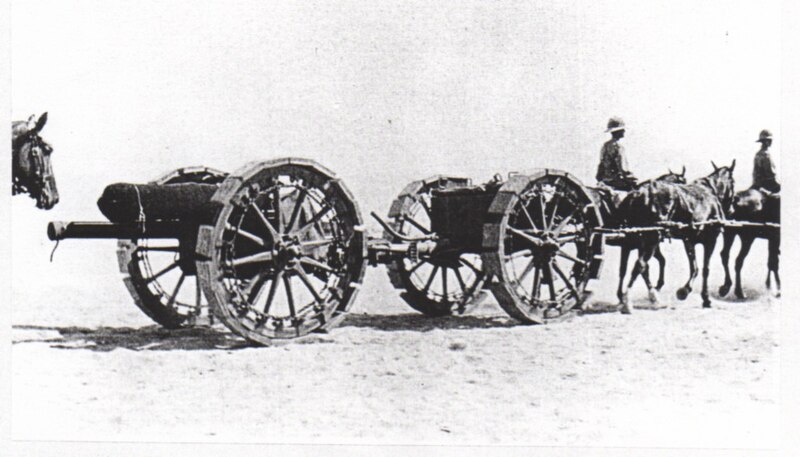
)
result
[(763, 168), (613, 169)]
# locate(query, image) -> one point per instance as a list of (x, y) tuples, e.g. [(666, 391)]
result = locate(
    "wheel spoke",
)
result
[(416, 224), (535, 241), (475, 285), (471, 266), (266, 223), (527, 270), (564, 239), (316, 243), (566, 280), (424, 204), (312, 222), (254, 284), (444, 284), (287, 284), (166, 269), (416, 266), (177, 288), (244, 233), (316, 264), (563, 254), (298, 205), (301, 273), (430, 278), (565, 221), (537, 284), (273, 288), (460, 281), (261, 257), (277, 204), (541, 207), (524, 205), (519, 254), (550, 285), (555, 199)]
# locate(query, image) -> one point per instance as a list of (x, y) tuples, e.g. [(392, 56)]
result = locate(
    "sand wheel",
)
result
[(286, 254), (442, 284), (160, 277), (541, 246)]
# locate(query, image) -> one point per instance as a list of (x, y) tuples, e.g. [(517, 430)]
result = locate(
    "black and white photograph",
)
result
[(399, 227)]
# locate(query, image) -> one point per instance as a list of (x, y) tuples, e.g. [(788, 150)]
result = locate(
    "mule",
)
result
[(32, 172), (752, 205), (696, 210), (631, 242)]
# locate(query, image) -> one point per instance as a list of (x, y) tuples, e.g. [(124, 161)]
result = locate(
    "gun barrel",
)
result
[(59, 230)]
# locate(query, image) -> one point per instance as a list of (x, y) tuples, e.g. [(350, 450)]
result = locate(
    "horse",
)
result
[(690, 212), (629, 243), (760, 206), (32, 172)]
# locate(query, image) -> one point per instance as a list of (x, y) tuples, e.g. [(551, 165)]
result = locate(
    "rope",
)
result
[(54, 251), (142, 218)]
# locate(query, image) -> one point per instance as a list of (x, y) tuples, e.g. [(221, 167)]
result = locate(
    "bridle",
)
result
[(36, 148)]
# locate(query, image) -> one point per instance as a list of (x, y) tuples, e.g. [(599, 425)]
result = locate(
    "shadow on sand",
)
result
[(155, 338), (419, 323), (750, 295), (151, 338)]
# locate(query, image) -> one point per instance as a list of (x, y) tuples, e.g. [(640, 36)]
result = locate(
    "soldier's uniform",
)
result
[(764, 175), (613, 169)]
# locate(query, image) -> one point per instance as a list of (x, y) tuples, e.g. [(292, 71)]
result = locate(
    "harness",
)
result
[(18, 184)]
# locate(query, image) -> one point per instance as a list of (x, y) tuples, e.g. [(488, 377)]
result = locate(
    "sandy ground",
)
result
[(86, 365)]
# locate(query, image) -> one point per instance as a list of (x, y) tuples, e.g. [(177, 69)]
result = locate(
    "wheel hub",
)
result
[(287, 252)]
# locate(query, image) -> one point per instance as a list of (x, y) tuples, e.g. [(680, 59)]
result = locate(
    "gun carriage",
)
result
[(278, 249)]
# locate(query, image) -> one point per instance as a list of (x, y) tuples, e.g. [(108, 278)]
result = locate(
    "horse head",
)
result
[(31, 167), (721, 182), (673, 178)]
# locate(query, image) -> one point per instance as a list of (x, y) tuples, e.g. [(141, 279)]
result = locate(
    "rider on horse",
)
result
[(613, 169), (764, 176)]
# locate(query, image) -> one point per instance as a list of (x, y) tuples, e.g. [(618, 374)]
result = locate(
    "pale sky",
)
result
[(384, 93), (387, 92)]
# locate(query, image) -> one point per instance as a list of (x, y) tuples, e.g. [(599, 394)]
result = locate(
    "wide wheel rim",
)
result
[(449, 283), (287, 254), (543, 255)]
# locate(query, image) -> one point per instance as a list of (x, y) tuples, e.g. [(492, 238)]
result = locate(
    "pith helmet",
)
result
[(615, 124), (764, 135)]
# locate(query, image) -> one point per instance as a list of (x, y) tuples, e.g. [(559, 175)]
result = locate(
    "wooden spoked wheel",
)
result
[(287, 252), (541, 245), (436, 285), (161, 279)]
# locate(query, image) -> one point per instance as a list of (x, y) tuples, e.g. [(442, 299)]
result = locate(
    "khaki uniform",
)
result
[(613, 169), (764, 176)]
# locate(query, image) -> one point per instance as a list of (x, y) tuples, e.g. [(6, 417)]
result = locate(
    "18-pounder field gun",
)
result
[(278, 248)]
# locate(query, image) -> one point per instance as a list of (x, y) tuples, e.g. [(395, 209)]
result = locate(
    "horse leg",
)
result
[(622, 292), (708, 248), (638, 267), (662, 262), (684, 291), (727, 242), (772, 264), (747, 242), (648, 253)]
